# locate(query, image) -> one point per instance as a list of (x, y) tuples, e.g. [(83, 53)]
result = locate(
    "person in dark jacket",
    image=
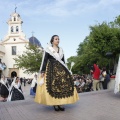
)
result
[(24, 80), (107, 79)]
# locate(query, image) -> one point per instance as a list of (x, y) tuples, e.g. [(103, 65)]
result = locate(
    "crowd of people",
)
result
[(83, 83), (96, 80), (10, 89)]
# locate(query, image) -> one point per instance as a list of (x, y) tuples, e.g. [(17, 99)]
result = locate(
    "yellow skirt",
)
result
[(43, 97)]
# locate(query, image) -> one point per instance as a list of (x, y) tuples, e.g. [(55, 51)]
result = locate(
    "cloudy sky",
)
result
[(70, 19)]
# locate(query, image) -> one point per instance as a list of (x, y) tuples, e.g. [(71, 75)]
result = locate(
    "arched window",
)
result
[(12, 29), (17, 29), (14, 18)]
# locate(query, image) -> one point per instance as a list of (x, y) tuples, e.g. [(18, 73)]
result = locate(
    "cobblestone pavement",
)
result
[(101, 105)]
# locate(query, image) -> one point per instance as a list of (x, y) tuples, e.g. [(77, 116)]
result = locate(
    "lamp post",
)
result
[(109, 55)]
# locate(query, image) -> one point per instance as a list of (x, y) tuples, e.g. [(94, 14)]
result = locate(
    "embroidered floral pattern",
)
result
[(59, 81)]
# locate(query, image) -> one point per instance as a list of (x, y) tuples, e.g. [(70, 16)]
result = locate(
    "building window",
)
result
[(13, 50), (17, 29), (14, 39), (12, 29), (14, 18)]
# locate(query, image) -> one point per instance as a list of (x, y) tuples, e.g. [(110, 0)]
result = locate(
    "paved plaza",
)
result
[(101, 105)]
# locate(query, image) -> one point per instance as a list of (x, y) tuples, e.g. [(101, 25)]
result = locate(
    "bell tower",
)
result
[(14, 28), (14, 24)]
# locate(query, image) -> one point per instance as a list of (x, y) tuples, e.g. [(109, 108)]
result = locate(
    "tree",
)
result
[(30, 60), (103, 38)]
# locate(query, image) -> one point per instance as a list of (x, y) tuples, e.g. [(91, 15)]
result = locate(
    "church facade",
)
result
[(12, 45)]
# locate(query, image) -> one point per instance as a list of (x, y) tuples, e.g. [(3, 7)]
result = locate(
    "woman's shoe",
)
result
[(56, 108), (61, 108)]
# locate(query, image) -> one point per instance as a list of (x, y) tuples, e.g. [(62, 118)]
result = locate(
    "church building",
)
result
[(14, 44)]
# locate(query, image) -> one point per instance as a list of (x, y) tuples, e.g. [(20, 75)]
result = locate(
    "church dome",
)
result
[(33, 40)]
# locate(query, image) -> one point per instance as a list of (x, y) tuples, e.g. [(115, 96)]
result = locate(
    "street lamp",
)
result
[(109, 55)]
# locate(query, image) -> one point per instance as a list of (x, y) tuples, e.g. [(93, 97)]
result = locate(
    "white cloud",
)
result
[(54, 8), (109, 2), (94, 7), (59, 8)]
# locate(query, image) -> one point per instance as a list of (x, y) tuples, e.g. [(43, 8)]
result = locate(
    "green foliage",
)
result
[(70, 60), (103, 38), (30, 60)]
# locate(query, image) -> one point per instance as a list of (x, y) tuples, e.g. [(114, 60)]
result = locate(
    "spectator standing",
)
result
[(107, 79), (21, 80), (102, 77), (33, 86), (96, 75), (24, 80)]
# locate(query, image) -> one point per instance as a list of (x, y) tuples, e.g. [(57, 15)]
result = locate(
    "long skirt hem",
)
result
[(43, 97)]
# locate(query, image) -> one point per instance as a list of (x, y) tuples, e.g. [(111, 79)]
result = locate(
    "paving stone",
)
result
[(100, 105)]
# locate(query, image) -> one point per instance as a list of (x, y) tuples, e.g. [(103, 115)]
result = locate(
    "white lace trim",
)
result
[(4, 82), (57, 56)]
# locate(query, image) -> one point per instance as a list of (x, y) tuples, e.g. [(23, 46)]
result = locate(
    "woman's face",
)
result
[(56, 40), (17, 80)]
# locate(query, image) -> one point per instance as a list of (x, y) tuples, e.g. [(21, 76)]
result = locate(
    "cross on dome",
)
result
[(15, 8), (32, 33)]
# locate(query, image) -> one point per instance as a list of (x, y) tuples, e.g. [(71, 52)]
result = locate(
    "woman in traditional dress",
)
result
[(4, 90), (33, 85), (57, 89), (117, 78), (16, 91)]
